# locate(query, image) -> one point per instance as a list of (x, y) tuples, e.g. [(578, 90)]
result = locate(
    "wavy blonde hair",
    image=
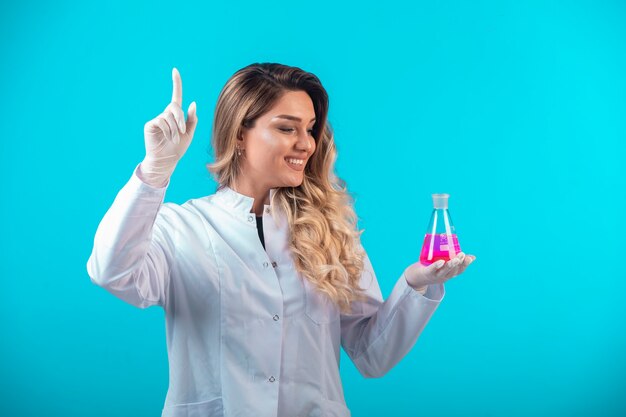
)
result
[(324, 237)]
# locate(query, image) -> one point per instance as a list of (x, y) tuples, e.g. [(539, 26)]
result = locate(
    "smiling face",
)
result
[(278, 147)]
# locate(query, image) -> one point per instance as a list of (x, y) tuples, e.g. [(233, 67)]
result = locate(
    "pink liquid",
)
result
[(444, 247)]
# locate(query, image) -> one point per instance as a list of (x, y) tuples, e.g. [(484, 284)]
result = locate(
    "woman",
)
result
[(265, 279)]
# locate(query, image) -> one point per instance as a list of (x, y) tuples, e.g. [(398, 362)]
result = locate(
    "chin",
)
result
[(294, 182)]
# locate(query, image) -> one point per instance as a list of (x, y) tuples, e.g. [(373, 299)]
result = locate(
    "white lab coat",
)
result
[(247, 335)]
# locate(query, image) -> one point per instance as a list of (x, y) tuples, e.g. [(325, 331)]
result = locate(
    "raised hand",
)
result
[(167, 137)]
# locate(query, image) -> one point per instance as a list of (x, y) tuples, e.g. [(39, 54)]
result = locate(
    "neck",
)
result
[(260, 194)]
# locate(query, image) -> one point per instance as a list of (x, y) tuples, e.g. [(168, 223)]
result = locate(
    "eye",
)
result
[(290, 129)]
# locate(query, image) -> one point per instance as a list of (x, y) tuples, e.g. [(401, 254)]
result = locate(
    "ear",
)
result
[(242, 135), (240, 140)]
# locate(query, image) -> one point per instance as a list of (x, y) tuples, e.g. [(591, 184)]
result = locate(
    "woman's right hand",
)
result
[(167, 137), (420, 276)]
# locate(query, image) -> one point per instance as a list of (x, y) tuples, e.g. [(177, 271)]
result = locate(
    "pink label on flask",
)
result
[(439, 246)]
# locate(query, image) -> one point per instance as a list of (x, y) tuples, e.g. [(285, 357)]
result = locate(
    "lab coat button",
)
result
[(250, 219), (276, 317), (267, 210), (272, 379), (265, 264), (274, 264)]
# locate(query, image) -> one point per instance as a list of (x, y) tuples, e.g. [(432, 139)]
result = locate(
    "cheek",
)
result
[(269, 149), (313, 148)]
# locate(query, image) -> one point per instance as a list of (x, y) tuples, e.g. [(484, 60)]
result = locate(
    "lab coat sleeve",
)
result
[(377, 334), (133, 252)]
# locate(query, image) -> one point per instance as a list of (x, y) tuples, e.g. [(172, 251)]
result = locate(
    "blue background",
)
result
[(516, 109)]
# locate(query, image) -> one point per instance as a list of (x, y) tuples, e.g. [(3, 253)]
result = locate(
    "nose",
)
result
[(303, 142)]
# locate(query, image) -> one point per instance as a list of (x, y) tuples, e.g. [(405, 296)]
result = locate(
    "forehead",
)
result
[(293, 103)]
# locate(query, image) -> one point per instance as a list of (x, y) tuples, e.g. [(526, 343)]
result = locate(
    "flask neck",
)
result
[(441, 222)]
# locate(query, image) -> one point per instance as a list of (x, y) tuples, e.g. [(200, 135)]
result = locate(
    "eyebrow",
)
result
[(289, 117)]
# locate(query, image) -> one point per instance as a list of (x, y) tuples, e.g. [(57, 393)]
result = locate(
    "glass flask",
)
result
[(440, 241)]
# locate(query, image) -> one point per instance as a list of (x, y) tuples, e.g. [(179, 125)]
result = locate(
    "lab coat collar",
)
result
[(241, 204)]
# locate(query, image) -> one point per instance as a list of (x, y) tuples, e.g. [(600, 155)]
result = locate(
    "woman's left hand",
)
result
[(420, 276)]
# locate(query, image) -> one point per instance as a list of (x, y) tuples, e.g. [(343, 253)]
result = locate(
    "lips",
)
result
[(295, 167)]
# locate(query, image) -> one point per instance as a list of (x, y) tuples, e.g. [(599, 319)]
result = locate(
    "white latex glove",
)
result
[(420, 277), (167, 137)]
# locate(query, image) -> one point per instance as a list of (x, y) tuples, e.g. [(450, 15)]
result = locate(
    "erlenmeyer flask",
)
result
[(440, 241)]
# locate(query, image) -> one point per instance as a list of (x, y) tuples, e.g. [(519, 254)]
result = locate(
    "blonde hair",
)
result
[(324, 237)]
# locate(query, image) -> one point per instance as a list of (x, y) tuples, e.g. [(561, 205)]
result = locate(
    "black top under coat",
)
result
[(259, 226)]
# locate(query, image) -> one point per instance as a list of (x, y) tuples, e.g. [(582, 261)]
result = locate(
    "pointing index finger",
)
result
[(177, 92)]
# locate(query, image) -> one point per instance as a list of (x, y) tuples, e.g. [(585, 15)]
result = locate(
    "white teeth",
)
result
[(295, 161)]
